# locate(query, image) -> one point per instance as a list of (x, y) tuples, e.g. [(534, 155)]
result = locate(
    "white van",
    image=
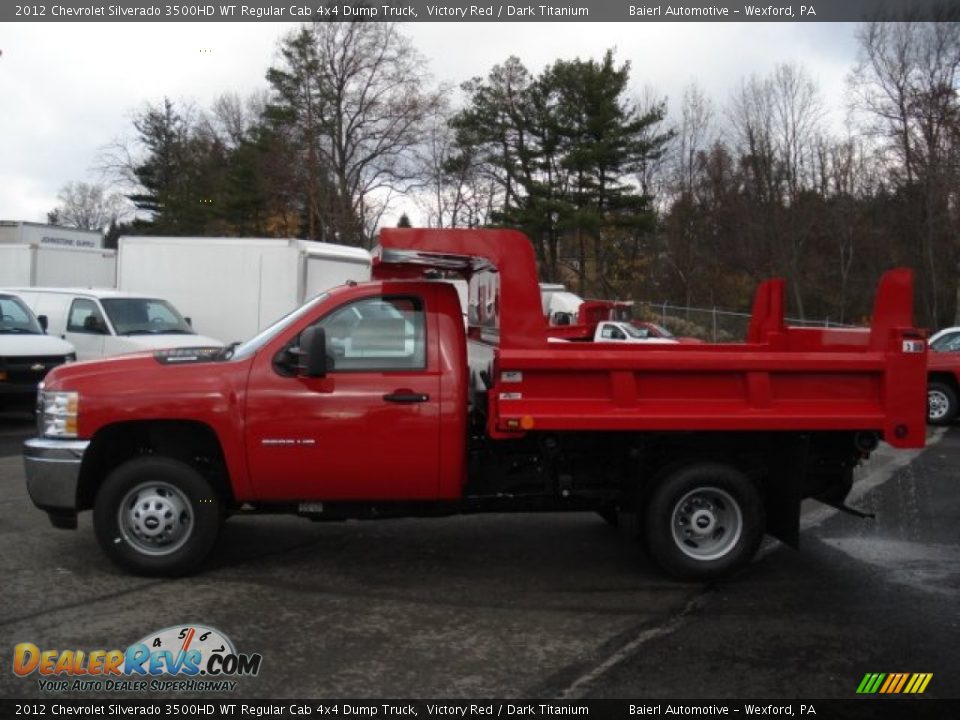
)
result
[(100, 323), (26, 353)]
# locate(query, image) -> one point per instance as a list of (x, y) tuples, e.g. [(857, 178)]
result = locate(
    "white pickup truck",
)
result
[(623, 332), (27, 353)]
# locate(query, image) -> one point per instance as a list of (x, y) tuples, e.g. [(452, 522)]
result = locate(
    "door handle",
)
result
[(405, 396)]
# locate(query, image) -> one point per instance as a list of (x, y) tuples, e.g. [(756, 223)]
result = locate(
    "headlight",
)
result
[(57, 413)]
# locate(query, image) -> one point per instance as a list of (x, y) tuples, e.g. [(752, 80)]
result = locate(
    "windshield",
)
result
[(145, 316), (639, 333), (661, 330), (15, 317), (249, 347)]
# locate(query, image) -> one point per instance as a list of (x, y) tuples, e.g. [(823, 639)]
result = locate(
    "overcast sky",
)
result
[(68, 89)]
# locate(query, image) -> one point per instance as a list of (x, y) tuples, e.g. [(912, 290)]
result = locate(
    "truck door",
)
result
[(370, 429)]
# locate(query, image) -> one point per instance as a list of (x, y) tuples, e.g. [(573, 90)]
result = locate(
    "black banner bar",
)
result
[(638, 11), (874, 708)]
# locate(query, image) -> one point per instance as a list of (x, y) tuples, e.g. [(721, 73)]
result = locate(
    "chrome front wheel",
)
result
[(941, 404), (155, 518)]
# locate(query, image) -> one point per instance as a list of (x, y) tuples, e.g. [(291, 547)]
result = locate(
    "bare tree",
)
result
[(906, 84), (456, 192), (88, 206), (357, 92), (695, 134), (797, 118), (683, 236), (231, 117), (776, 123)]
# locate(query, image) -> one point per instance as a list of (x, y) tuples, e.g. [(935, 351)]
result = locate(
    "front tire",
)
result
[(941, 404), (704, 521), (157, 516)]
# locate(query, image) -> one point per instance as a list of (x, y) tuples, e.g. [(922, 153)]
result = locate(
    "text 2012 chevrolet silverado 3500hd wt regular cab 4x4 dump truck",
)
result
[(364, 403)]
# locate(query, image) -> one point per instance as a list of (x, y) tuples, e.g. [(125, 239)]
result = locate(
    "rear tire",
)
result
[(941, 403), (704, 521), (157, 516)]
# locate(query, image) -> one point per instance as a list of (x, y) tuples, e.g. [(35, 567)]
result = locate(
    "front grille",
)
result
[(30, 368)]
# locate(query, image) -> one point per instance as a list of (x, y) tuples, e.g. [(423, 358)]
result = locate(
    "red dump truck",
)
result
[(372, 401)]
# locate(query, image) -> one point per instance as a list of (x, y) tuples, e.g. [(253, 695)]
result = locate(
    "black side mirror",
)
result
[(312, 361), (44, 322), (189, 321)]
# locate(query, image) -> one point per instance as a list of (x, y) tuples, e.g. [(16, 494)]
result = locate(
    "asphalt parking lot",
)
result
[(520, 606)]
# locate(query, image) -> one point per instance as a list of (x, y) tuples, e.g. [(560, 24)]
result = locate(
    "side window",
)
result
[(383, 333), (85, 317), (612, 332)]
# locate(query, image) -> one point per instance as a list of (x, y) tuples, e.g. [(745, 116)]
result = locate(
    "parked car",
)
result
[(659, 331), (27, 353), (101, 323), (946, 340), (943, 376), (609, 331)]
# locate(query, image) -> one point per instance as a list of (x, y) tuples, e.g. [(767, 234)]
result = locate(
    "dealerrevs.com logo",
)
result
[(179, 658)]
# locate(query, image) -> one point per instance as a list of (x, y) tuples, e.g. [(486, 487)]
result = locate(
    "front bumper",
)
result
[(53, 472)]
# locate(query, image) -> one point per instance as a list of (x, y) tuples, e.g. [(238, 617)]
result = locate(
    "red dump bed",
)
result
[(782, 378)]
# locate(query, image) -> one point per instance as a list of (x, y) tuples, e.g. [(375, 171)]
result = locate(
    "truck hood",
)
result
[(185, 383), (119, 371), (32, 345)]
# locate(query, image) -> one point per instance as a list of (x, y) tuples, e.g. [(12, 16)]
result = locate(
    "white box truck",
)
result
[(36, 255), (37, 234), (231, 288)]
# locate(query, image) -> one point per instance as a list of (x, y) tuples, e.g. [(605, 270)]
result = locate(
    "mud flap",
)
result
[(784, 490)]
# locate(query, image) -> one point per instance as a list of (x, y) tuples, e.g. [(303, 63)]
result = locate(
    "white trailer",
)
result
[(39, 235), (43, 266), (231, 288), (37, 255)]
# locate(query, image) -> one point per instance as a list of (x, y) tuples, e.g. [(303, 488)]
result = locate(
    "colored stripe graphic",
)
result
[(903, 681), (894, 683)]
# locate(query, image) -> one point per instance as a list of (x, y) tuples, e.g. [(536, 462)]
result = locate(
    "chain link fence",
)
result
[(711, 324)]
